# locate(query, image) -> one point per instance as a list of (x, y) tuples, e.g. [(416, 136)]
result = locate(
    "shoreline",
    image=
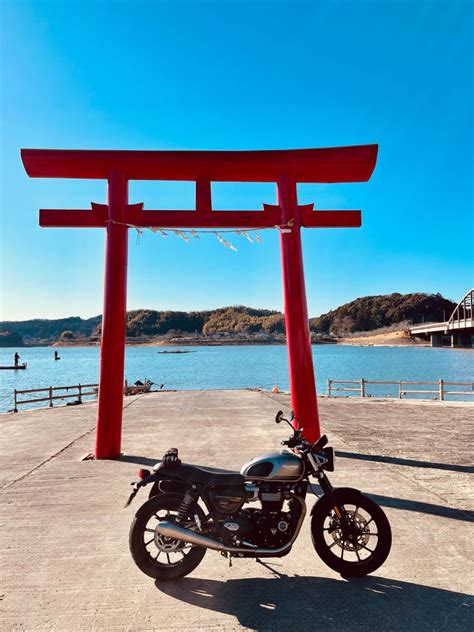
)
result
[(342, 343), (388, 339)]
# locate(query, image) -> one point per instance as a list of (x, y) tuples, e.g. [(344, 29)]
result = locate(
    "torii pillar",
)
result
[(285, 168), (300, 359), (112, 348)]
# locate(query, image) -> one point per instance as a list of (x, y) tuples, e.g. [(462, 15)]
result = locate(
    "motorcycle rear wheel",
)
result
[(356, 546), (157, 556)]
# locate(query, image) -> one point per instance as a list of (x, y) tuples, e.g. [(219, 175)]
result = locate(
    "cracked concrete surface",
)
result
[(64, 550)]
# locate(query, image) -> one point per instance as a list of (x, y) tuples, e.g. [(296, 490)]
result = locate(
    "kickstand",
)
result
[(268, 567)]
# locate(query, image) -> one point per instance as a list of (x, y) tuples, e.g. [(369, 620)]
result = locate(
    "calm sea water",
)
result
[(233, 367)]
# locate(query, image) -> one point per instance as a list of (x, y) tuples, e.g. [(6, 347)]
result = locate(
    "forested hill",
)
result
[(373, 312), (148, 322), (40, 328), (234, 320), (363, 314)]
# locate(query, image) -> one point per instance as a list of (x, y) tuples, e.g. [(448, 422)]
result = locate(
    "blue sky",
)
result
[(240, 75)]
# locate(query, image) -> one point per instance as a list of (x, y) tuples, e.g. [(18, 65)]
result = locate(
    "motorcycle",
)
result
[(256, 513)]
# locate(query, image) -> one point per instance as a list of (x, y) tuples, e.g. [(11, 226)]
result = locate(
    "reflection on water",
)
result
[(234, 366)]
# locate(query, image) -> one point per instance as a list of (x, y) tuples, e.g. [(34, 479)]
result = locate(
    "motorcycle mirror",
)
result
[(279, 417), (292, 416)]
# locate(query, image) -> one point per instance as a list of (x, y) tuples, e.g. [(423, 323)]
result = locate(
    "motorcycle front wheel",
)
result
[(156, 555), (350, 533)]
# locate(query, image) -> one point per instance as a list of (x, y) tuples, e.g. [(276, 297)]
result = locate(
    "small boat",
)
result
[(15, 368), (179, 351), (138, 387)]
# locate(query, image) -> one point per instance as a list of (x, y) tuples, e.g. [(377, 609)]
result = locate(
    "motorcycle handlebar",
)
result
[(291, 443), (298, 440), (295, 441)]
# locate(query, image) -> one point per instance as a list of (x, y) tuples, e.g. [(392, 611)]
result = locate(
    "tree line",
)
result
[(363, 314)]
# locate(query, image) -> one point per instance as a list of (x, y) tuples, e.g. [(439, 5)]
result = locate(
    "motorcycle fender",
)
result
[(168, 486), (333, 496), (313, 509), (156, 478)]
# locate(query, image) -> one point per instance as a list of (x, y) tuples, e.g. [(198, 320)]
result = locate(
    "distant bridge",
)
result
[(459, 329)]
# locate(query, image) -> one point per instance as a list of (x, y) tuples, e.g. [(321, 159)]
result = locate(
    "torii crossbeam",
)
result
[(284, 167)]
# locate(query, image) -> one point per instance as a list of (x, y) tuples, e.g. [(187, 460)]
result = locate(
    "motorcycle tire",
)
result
[(367, 526), (177, 559)]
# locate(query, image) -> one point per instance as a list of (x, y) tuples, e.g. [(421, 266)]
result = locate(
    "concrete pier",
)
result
[(461, 339), (64, 550)]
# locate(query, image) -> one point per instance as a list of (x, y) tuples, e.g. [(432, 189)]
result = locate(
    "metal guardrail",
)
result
[(78, 393), (439, 392)]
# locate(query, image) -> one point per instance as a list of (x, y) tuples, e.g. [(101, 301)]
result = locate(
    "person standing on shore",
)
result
[(16, 357)]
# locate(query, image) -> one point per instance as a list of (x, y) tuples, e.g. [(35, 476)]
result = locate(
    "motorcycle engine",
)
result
[(272, 529), (269, 527)]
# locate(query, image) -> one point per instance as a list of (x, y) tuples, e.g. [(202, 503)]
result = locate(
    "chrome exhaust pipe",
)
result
[(175, 532)]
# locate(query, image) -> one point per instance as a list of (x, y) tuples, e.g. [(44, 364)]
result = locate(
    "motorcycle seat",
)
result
[(203, 475)]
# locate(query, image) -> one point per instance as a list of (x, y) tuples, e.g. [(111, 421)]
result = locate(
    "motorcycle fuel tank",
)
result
[(274, 466)]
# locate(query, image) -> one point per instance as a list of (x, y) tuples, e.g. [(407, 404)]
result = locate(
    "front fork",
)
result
[(324, 482), (327, 488), (320, 474)]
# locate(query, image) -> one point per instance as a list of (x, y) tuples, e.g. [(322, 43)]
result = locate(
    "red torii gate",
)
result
[(284, 167)]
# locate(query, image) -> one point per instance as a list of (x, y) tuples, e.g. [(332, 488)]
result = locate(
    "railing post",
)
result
[(50, 396), (15, 407), (399, 390), (362, 387), (80, 394), (441, 390)]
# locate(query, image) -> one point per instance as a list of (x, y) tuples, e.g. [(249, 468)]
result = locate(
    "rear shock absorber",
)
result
[(188, 500)]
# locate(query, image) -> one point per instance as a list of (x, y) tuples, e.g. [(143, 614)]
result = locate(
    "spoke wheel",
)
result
[(350, 532), (156, 555)]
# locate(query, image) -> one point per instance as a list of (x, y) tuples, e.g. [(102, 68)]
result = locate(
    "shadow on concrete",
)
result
[(421, 507), (139, 460), (411, 505), (298, 603), (393, 460)]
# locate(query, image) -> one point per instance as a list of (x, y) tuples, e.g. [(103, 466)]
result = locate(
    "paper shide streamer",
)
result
[(250, 234)]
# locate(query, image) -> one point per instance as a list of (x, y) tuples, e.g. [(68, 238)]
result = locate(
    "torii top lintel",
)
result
[(324, 165)]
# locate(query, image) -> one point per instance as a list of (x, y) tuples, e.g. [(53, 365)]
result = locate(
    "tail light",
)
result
[(142, 473)]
